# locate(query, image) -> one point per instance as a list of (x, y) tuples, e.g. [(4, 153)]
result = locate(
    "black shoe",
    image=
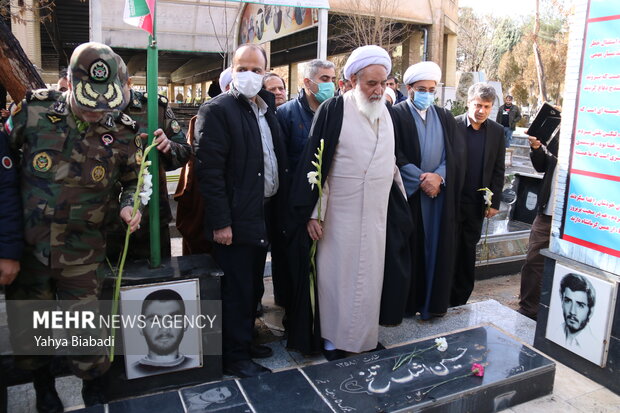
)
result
[(332, 355), (245, 368), (45, 388), (379, 347), (258, 351), (93, 391)]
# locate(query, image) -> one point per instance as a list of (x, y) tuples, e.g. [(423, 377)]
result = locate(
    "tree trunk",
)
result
[(540, 69), (17, 73)]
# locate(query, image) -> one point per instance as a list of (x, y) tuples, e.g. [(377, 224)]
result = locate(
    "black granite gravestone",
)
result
[(206, 270), (266, 393), (168, 402), (514, 373)]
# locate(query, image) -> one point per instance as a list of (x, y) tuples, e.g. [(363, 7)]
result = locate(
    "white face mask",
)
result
[(248, 83)]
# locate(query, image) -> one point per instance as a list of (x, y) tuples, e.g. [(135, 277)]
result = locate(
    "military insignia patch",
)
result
[(127, 121), (138, 142), (176, 128), (40, 94), (7, 162), (107, 139), (99, 71), (109, 121), (54, 118), (98, 173), (139, 156), (59, 107), (42, 162), (163, 100)]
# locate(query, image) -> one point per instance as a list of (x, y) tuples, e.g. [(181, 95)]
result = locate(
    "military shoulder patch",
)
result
[(53, 118), (162, 100)]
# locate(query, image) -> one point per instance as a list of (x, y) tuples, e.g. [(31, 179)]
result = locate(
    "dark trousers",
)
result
[(469, 231), (531, 273), (242, 286)]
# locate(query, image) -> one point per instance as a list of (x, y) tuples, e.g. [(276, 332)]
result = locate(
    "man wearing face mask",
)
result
[(242, 174), (296, 116), (431, 161)]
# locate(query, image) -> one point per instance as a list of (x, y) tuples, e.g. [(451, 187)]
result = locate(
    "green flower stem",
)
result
[(415, 353), (313, 249), (119, 276), (447, 381)]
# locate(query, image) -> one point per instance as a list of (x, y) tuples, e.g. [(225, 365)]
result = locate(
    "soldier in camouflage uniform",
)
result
[(75, 146), (174, 153)]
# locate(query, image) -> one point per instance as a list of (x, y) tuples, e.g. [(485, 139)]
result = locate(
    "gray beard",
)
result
[(371, 110)]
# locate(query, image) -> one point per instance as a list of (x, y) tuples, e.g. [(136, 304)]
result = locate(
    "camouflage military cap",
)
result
[(99, 78)]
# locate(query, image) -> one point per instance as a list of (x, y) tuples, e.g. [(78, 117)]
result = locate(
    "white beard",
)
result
[(370, 109)]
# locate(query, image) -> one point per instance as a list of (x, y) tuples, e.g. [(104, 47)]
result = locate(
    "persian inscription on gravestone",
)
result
[(371, 381)]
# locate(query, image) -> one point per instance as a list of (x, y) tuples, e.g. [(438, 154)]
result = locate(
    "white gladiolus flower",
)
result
[(147, 188), (488, 194), (313, 178), (442, 344)]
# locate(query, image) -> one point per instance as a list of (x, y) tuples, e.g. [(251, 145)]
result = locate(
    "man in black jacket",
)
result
[(508, 115), (484, 140), (241, 169), (544, 159)]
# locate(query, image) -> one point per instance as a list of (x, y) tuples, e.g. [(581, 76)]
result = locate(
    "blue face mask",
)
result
[(422, 100), (326, 91)]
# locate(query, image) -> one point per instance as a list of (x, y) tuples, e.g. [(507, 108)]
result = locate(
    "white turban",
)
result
[(366, 56), (422, 71), (389, 91), (225, 78)]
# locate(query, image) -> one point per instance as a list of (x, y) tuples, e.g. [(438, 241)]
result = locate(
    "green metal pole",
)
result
[(151, 89)]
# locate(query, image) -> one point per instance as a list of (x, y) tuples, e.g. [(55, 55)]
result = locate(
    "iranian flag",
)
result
[(139, 13)]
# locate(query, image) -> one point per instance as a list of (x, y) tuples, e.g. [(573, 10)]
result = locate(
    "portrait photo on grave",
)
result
[(579, 313), (161, 327), (214, 397)]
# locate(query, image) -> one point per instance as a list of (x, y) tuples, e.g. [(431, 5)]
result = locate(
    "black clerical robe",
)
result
[(408, 152)]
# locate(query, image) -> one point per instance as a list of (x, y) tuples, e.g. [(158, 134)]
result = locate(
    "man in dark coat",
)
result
[(544, 159), (242, 173), (431, 164), (295, 118), (485, 169)]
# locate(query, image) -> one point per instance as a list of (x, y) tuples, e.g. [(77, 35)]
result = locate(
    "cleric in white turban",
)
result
[(366, 56), (225, 79), (358, 170), (422, 71), (431, 165)]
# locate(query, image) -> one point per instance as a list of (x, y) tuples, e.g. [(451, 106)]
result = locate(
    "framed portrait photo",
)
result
[(580, 313), (160, 333)]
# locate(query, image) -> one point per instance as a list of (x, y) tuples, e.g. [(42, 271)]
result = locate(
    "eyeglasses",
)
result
[(424, 90)]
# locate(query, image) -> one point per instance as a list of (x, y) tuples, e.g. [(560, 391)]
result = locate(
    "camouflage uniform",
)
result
[(68, 170), (180, 152)]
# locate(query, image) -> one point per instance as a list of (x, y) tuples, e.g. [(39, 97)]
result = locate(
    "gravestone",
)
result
[(514, 373)]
